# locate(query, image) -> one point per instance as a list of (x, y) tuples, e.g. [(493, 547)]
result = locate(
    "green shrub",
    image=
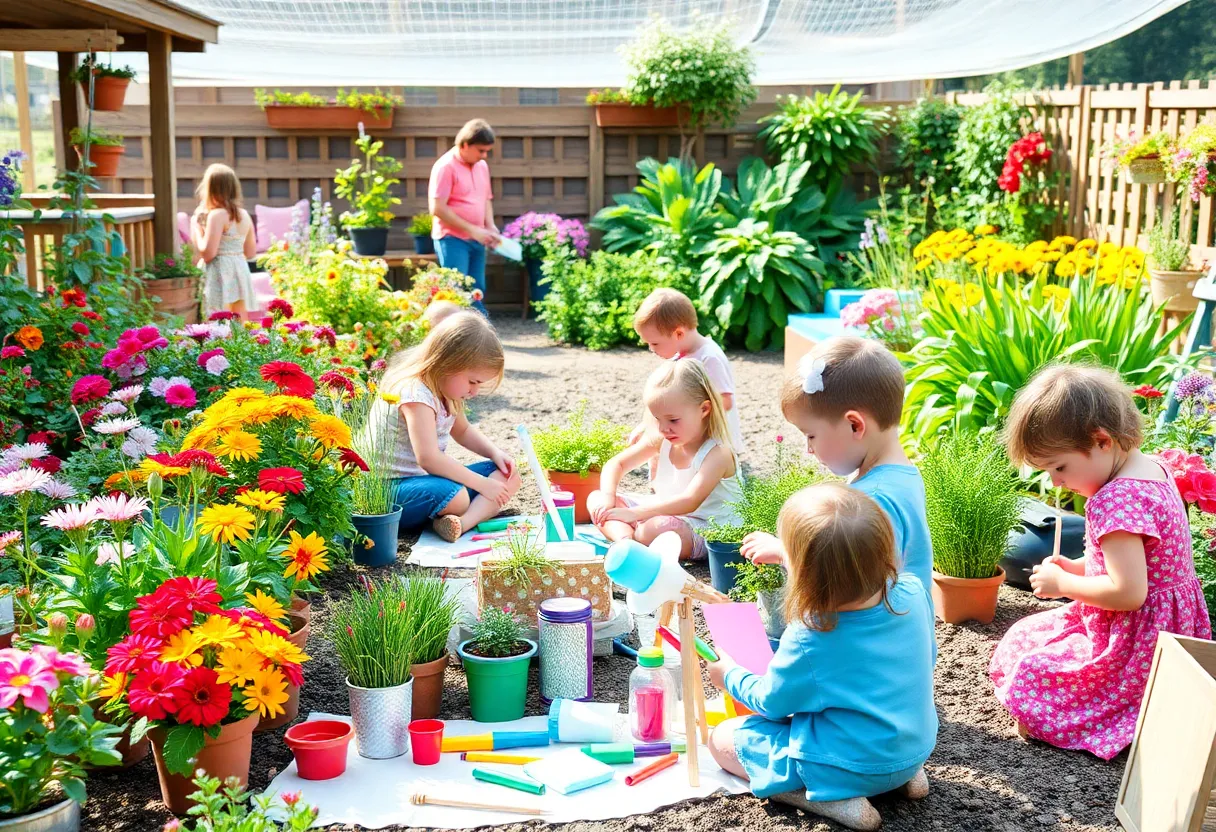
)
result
[(1167, 250), (926, 136), (576, 447), (753, 578), (96, 138), (376, 103), (497, 634), (422, 223), (765, 494), (280, 98)]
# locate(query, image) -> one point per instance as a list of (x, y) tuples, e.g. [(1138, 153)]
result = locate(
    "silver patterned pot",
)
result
[(771, 604), (62, 817), (382, 719)]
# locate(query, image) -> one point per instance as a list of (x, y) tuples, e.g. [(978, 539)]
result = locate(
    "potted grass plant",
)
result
[(496, 664), (972, 503), (763, 584), (109, 83), (376, 516), (420, 228), (367, 185), (104, 150), (432, 608), (371, 632), (1172, 283), (574, 453)]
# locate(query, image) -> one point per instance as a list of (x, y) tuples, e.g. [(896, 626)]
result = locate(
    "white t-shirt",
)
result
[(387, 416), (717, 368)]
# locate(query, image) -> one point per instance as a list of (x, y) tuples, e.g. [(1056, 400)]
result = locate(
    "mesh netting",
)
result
[(563, 43)]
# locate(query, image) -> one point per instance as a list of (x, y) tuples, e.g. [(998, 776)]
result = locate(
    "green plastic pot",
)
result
[(498, 688)]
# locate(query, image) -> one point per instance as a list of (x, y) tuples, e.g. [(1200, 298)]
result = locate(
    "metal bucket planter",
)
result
[(382, 719), (62, 817), (771, 604), (1146, 170)]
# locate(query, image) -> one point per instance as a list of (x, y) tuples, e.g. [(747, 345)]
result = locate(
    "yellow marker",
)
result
[(477, 742), (491, 757)]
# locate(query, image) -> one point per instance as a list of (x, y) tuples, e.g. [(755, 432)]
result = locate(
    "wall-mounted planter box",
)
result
[(627, 115), (285, 117)]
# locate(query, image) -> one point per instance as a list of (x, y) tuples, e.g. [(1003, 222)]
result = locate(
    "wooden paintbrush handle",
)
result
[(466, 804)]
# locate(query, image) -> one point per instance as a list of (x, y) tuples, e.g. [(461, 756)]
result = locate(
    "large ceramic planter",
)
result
[(580, 486), (105, 158), (428, 687), (424, 244), (956, 600), (498, 688), (109, 92), (177, 296), (288, 117), (370, 242), (224, 756), (300, 630), (1175, 289), (382, 719), (723, 557), (62, 817), (1146, 170), (378, 533), (771, 604), (627, 115), (536, 291)]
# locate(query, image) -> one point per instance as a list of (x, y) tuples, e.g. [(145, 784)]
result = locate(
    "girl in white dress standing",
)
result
[(223, 236)]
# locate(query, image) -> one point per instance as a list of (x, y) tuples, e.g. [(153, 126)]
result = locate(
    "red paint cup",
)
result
[(426, 741), (320, 747)]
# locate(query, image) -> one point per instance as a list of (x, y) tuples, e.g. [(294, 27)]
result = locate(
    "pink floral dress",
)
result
[(1074, 676)]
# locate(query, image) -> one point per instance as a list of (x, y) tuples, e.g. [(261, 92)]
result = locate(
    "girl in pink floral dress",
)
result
[(1074, 676)]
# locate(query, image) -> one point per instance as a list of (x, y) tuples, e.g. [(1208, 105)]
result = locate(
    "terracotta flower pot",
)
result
[(956, 600), (300, 630), (225, 756), (289, 117), (105, 158), (428, 688), (628, 115), (301, 607), (109, 92), (581, 487), (178, 296), (1175, 289)]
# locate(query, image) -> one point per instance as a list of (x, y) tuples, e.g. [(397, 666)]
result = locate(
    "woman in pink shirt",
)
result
[(460, 200)]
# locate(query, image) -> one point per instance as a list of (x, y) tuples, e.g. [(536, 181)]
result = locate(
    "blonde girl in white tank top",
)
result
[(697, 477)]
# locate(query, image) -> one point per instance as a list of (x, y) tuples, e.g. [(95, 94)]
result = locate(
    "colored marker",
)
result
[(658, 749), (501, 778), (498, 524), (616, 753), (473, 742), (652, 769), (494, 536), (470, 552), (703, 650), (519, 739), (491, 757)]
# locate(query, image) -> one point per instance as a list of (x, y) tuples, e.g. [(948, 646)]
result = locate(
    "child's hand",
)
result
[(495, 490), (718, 670), (1072, 567), (503, 462), (761, 547), (597, 513), (624, 515), (1045, 579)]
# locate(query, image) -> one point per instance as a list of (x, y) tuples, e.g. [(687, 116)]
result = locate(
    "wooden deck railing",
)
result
[(47, 230)]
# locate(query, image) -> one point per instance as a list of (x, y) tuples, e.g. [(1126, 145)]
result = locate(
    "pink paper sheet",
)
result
[(736, 629)]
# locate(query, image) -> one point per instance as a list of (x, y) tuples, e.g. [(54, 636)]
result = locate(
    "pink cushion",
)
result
[(183, 227), (274, 223)]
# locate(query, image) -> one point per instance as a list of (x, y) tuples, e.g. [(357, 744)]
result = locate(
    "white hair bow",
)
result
[(811, 370)]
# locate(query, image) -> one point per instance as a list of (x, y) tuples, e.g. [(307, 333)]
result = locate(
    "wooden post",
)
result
[(691, 669), (1076, 69), (29, 181), (69, 106), (595, 162), (164, 151)]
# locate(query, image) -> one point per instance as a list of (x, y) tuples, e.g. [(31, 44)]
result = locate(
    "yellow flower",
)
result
[(929, 301), (199, 438), (984, 230), (390, 398), (921, 265), (1130, 281), (972, 294), (219, 630), (221, 419), (226, 523), (331, 431), (257, 413), (1105, 277), (1087, 244), (307, 555), (276, 648), (1058, 295), (293, 406), (266, 693), (151, 466), (239, 445), (238, 665), (262, 500), (113, 688), (1107, 248), (183, 648), (266, 605), (244, 395)]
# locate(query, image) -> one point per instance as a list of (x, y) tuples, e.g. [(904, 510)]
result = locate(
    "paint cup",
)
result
[(426, 741), (320, 747)]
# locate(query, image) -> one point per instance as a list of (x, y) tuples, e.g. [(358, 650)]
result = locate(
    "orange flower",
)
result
[(30, 337)]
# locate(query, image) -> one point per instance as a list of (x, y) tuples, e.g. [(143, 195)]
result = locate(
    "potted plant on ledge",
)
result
[(1172, 283), (613, 108), (174, 282), (496, 663), (971, 504), (109, 83), (420, 227), (305, 111), (367, 185), (105, 151), (573, 455)]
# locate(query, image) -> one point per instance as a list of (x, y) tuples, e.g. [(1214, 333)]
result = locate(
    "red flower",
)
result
[(73, 297), (201, 700), (348, 457), (181, 395), (282, 480), (261, 339), (158, 616), (222, 315), (1147, 391), (80, 328), (267, 322), (204, 357), (289, 378), (133, 653), (44, 436), (280, 308), (91, 315), (197, 458), (245, 615), (337, 381), (89, 388), (154, 689), (12, 351), (192, 594), (326, 334), (50, 464), (1030, 149), (293, 672), (90, 416)]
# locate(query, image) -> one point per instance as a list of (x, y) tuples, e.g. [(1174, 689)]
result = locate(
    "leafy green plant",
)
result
[(764, 495), (372, 633), (367, 185), (520, 556), (376, 103), (833, 131), (972, 503), (422, 223), (108, 70), (925, 138), (607, 96), (751, 579), (1167, 250), (701, 70), (173, 265), (1122, 151), (498, 634), (576, 447), (98, 138), (431, 607), (228, 807), (280, 98)]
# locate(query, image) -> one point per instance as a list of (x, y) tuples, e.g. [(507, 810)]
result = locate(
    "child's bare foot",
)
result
[(447, 527), (855, 813), (917, 787)]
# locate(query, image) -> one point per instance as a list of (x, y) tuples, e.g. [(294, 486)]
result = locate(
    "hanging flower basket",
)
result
[(1145, 170), (288, 117)]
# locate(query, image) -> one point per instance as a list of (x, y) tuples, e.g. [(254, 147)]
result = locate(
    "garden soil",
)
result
[(982, 776)]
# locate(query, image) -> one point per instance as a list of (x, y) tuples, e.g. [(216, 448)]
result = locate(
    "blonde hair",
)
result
[(220, 188), (859, 374), (841, 549), (438, 311), (687, 377), (476, 131), (464, 341), (666, 309), (1063, 406)]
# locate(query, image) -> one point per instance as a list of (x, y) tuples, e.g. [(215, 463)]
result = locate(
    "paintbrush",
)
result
[(423, 799)]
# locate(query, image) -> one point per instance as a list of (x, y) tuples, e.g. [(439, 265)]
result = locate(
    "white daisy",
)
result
[(70, 517), (110, 427), (127, 394), (23, 480)]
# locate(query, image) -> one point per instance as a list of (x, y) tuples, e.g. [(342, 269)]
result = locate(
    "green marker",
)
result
[(498, 524), (612, 753), (499, 778)]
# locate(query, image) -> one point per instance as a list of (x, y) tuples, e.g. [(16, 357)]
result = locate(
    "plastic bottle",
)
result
[(651, 694), (563, 501)]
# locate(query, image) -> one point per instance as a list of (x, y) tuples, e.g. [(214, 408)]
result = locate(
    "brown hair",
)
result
[(477, 131), (1062, 407), (687, 376), (858, 374), (666, 309), (464, 341), (220, 188), (438, 311), (840, 548)]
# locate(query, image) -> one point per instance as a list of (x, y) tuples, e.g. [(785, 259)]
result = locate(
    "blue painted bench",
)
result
[(803, 331)]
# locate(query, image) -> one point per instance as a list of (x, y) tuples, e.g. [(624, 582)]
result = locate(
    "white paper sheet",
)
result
[(433, 551)]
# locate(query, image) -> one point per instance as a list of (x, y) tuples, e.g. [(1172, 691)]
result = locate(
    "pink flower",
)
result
[(261, 339), (68, 663), (28, 677), (90, 388), (12, 351), (118, 508), (22, 481), (204, 356), (181, 395), (70, 517)]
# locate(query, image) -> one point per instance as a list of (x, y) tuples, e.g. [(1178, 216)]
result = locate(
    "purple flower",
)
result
[(1192, 384)]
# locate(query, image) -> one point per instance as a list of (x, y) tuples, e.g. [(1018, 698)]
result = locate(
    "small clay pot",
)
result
[(109, 92), (105, 159), (1175, 289), (301, 607), (300, 630), (580, 486), (956, 600), (224, 756), (428, 688)]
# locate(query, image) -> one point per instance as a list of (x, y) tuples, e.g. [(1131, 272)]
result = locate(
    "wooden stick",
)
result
[(703, 592), (690, 667), (665, 612), (420, 799)]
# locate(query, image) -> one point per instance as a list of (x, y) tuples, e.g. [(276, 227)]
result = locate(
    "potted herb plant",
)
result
[(372, 635), (305, 111), (1172, 283), (972, 503), (573, 455), (105, 150), (175, 283), (613, 108), (765, 585), (376, 515), (722, 543), (109, 83), (496, 663), (367, 185), (1141, 160), (420, 227), (48, 734), (432, 608)]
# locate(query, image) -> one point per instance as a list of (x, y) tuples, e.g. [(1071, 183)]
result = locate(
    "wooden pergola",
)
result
[(157, 27)]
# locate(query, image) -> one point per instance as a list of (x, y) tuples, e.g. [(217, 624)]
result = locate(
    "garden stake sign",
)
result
[(542, 482)]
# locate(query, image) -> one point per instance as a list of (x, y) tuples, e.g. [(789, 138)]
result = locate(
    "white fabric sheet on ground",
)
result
[(376, 793), (432, 550)]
